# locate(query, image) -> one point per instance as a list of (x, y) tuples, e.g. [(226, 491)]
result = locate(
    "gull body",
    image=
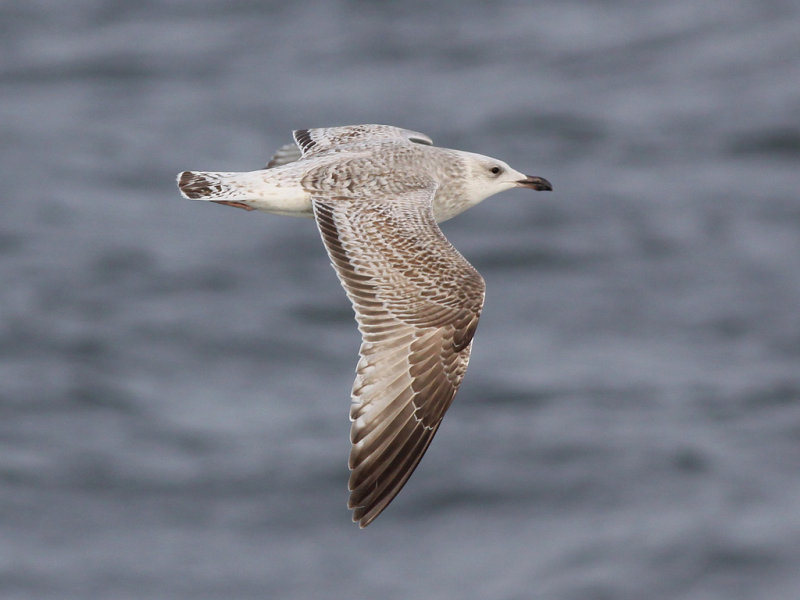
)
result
[(377, 193), (406, 161)]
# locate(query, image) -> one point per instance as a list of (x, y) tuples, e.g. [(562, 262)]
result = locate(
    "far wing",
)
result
[(417, 302), (312, 141), (284, 155)]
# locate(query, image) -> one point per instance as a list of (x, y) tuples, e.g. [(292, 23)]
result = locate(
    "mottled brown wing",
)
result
[(417, 302), (322, 139)]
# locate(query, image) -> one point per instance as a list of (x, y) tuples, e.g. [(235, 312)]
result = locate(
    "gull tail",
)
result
[(254, 190), (199, 185)]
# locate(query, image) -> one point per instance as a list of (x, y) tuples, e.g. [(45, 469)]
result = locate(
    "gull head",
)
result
[(487, 176)]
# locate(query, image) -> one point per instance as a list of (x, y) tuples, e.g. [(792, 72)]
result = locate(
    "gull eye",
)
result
[(496, 170)]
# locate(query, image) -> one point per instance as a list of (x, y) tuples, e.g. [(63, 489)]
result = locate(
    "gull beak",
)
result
[(535, 183)]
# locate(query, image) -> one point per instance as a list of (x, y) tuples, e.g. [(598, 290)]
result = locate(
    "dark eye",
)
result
[(496, 170)]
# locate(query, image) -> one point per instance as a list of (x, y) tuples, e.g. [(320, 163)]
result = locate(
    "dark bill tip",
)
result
[(536, 183)]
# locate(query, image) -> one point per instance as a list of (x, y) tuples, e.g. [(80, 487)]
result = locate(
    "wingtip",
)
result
[(363, 520), (363, 515)]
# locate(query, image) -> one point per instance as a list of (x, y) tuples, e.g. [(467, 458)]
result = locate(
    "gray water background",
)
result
[(175, 376)]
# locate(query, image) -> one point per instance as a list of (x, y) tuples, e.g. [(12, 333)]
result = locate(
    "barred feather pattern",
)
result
[(417, 303)]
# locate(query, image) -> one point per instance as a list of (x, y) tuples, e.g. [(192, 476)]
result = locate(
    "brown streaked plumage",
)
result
[(377, 193), (417, 302)]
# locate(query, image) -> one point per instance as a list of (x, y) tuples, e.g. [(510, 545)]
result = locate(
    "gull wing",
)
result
[(284, 155), (313, 141), (417, 303)]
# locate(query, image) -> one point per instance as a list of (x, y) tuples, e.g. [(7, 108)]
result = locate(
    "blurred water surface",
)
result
[(174, 376)]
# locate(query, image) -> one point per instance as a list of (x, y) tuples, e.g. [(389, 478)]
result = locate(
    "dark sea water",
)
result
[(175, 376)]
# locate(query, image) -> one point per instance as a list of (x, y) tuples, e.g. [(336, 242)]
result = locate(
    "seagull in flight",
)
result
[(377, 193)]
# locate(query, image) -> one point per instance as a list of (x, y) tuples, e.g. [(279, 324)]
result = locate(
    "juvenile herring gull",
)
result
[(377, 193)]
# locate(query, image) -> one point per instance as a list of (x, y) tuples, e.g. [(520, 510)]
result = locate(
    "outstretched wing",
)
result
[(312, 141), (417, 302)]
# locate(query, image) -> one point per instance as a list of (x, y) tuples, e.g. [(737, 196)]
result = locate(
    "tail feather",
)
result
[(248, 190), (197, 185)]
